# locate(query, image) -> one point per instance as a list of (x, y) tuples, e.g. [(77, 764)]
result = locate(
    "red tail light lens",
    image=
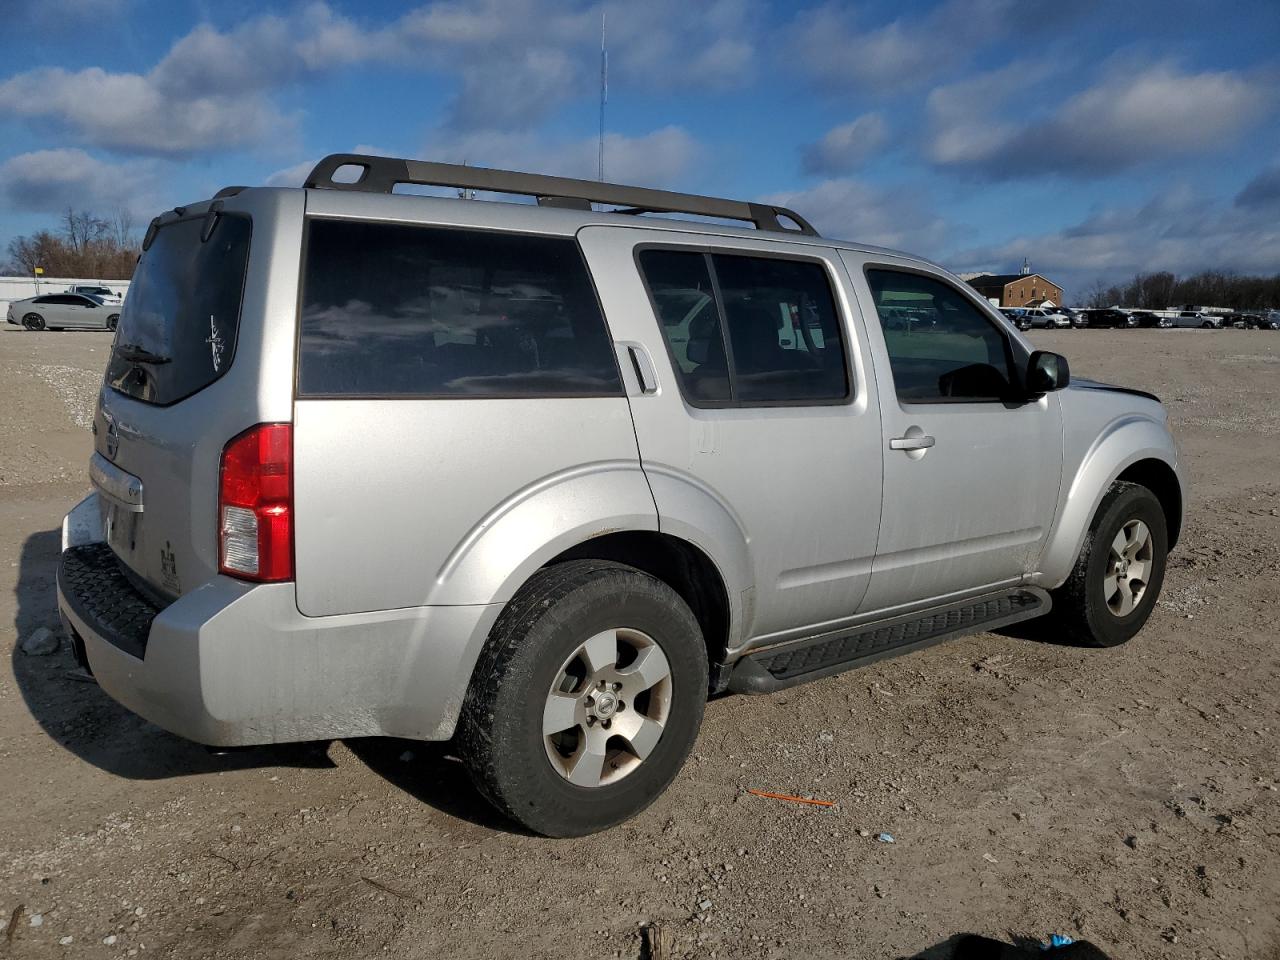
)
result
[(255, 505)]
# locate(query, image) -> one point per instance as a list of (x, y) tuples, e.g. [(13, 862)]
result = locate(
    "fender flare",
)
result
[(535, 524), (1124, 442)]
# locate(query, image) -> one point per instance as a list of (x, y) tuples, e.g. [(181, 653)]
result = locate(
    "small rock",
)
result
[(109, 940), (36, 920), (41, 642), (1131, 842), (742, 851), (989, 858), (704, 905), (406, 756), (66, 941), (864, 833), (825, 737)]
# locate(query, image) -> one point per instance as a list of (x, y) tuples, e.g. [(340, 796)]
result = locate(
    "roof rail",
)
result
[(381, 174)]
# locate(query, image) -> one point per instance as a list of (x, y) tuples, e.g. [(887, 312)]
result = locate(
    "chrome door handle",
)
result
[(911, 443)]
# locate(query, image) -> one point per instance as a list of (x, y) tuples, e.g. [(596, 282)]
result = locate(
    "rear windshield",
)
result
[(177, 331), (390, 310)]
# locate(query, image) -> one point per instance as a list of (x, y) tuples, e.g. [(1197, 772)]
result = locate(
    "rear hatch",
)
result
[(162, 414)]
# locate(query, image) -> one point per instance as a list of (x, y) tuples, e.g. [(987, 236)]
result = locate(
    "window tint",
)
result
[(941, 346), (783, 329), (395, 310), (177, 331), (680, 284), (784, 334)]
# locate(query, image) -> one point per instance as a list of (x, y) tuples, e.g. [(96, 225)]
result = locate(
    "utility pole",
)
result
[(604, 89)]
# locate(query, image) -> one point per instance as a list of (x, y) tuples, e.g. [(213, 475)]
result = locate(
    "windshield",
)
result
[(177, 331)]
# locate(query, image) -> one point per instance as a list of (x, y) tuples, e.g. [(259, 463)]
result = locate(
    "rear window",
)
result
[(177, 331), (390, 310)]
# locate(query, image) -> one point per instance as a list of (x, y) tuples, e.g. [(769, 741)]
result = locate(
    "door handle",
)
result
[(911, 443), (643, 367)]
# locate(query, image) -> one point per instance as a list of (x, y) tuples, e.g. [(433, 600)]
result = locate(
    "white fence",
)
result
[(19, 288)]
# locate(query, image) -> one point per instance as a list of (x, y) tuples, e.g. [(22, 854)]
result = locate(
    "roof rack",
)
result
[(381, 174)]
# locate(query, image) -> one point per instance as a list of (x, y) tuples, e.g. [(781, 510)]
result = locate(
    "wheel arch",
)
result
[(684, 567), (1134, 448)]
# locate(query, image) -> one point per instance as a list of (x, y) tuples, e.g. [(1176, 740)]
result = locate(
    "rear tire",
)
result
[(33, 321), (570, 625), (1118, 575)]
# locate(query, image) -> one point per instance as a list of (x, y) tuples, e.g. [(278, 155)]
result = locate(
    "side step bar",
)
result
[(786, 665)]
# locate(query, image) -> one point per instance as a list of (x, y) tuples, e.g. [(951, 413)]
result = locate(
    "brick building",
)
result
[(1018, 289)]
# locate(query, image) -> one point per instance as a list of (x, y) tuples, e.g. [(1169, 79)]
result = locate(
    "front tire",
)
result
[(586, 699), (112, 321), (1118, 575), (33, 321)]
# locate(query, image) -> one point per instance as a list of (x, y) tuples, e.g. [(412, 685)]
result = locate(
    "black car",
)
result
[(1109, 317), (1146, 318)]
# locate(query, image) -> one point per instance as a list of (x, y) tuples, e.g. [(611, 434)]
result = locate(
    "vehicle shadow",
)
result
[(82, 718), (430, 773)]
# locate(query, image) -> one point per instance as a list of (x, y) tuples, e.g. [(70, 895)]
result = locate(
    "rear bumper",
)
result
[(232, 663)]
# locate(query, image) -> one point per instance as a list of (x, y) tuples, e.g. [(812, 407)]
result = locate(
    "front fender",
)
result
[(1123, 442), (535, 524)]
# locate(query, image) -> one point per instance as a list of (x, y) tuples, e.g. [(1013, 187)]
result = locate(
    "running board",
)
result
[(788, 664)]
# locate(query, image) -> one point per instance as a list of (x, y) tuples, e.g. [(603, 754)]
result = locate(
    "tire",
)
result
[(112, 321), (537, 648), (33, 321), (1082, 608), (1206, 325)]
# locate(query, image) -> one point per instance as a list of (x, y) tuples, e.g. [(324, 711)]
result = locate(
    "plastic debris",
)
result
[(41, 642), (789, 797), (1057, 940), (885, 838)]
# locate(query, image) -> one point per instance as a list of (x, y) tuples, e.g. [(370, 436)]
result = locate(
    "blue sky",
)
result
[(1096, 138)]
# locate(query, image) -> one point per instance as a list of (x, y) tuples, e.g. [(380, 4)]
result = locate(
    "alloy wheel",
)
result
[(1129, 561), (607, 707)]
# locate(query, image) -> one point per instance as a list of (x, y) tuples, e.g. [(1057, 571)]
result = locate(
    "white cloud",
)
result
[(1126, 119), (49, 181), (655, 159), (852, 210), (1178, 229), (841, 54), (846, 146)]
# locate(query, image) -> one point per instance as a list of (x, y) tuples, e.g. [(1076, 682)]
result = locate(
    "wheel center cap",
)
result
[(606, 704)]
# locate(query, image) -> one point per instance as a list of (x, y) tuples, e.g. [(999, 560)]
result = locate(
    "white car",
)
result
[(105, 294), (1193, 318), (55, 311)]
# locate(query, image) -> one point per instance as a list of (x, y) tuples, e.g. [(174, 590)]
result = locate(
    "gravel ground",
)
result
[(1128, 796)]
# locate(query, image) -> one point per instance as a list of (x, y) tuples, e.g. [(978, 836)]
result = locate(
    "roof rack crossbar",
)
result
[(381, 174)]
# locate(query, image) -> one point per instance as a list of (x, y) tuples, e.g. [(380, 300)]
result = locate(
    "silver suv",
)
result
[(541, 479)]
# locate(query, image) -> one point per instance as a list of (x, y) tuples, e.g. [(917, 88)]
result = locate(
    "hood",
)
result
[(1082, 384)]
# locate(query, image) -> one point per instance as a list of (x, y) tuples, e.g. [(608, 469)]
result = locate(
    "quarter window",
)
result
[(783, 343), (409, 311), (941, 346)]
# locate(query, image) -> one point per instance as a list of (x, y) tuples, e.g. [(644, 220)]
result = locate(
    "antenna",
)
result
[(604, 90)]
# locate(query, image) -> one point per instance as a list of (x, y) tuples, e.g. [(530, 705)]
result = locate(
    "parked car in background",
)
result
[(55, 311), (1269, 321), (1193, 318), (1109, 318), (1074, 317), (105, 294), (1146, 318), (1017, 316), (1049, 318)]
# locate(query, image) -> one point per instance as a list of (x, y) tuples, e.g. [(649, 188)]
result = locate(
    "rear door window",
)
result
[(394, 310), (783, 343), (177, 332)]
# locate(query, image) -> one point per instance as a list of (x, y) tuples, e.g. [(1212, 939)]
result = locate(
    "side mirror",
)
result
[(1047, 372)]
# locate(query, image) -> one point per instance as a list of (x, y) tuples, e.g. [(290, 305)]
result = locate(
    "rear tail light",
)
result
[(255, 504)]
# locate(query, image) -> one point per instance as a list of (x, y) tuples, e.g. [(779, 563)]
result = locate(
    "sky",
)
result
[(1095, 139)]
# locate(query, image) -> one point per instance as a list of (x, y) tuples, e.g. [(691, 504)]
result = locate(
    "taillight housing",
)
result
[(255, 505)]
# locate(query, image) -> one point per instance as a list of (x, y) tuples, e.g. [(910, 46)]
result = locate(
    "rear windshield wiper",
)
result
[(136, 354)]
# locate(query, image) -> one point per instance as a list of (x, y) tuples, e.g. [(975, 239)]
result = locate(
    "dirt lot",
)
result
[(1127, 795)]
